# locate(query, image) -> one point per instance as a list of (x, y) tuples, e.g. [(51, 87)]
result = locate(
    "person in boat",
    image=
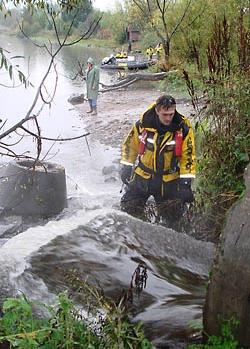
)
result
[(110, 60), (150, 52), (159, 50), (121, 55), (158, 159), (92, 83)]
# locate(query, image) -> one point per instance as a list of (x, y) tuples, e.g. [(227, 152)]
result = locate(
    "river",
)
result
[(92, 235)]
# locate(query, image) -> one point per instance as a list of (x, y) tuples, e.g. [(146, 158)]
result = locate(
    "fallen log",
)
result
[(131, 78)]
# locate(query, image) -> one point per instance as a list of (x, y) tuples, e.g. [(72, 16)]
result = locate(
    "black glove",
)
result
[(185, 191), (125, 173)]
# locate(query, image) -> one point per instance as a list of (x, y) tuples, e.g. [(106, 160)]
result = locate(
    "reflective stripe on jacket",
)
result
[(159, 158)]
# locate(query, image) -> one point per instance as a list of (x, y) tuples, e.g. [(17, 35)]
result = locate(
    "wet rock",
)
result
[(229, 289), (107, 170), (10, 226), (3, 241), (110, 180), (76, 98), (110, 173)]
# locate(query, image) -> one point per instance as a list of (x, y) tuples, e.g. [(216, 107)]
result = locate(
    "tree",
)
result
[(80, 13), (165, 18), (42, 95), (191, 42), (115, 22)]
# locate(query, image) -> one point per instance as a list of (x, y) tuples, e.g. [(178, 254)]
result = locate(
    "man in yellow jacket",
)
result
[(150, 52), (158, 159)]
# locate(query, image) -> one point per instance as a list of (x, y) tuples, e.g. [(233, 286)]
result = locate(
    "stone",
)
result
[(108, 170), (10, 226), (76, 98), (229, 288)]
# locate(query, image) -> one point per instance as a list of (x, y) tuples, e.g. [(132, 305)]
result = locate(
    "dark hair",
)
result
[(165, 101)]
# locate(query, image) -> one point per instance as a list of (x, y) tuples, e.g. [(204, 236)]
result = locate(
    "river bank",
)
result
[(118, 110)]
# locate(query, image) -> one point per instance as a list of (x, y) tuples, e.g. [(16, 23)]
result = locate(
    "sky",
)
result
[(105, 4)]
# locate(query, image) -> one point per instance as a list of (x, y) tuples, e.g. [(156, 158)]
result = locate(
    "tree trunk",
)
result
[(131, 78), (166, 48)]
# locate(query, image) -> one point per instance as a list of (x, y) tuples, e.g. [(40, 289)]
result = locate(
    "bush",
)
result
[(222, 126), (225, 141), (225, 340), (64, 328)]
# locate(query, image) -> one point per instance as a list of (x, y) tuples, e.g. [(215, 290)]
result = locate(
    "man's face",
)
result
[(166, 114)]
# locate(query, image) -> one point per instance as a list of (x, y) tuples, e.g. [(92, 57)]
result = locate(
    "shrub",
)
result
[(64, 328), (225, 340)]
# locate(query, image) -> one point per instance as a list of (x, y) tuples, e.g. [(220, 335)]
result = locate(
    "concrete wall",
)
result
[(27, 191)]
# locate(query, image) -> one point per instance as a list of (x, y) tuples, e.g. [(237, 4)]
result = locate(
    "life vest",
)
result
[(170, 155), (150, 51), (142, 144), (178, 138)]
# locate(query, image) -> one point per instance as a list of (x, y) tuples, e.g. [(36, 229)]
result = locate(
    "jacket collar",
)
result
[(150, 121)]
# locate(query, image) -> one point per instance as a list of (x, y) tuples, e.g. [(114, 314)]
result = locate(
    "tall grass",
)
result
[(222, 126), (68, 327)]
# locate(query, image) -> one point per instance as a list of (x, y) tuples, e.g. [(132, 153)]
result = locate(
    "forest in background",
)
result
[(183, 26)]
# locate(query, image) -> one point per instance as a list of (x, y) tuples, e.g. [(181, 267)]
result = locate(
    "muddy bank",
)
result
[(118, 110)]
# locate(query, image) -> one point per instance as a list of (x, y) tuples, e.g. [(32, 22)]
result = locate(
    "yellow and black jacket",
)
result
[(150, 51), (159, 157)]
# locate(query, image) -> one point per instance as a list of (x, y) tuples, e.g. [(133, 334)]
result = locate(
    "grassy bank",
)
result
[(66, 326)]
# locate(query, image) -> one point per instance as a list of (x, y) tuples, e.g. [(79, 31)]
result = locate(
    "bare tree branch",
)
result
[(121, 86), (87, 34), (13, 144), (42, 93), (54, 139), (163, 31), (199, 14), (139, 6), (132, 79), (181, 18), (3, 124)]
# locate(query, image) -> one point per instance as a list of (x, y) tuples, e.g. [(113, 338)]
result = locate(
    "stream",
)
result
[(92, 235)]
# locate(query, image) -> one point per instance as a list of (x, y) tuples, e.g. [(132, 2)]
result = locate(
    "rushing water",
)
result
[(92, 234)]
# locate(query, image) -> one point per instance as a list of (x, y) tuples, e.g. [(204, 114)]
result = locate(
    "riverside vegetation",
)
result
[(67, 326), (222, 123)]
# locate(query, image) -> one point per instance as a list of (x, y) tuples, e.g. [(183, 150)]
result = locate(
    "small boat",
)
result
[(131, 65), (130, 62), (138, 65)]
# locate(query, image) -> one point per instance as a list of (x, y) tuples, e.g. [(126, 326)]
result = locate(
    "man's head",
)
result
[(90, 61), (165, 109)]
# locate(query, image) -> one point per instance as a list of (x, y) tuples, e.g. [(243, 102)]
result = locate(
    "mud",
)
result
[(118, 110)]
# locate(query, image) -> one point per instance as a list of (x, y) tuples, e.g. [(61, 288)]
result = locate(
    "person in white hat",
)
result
[(92, 82)]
